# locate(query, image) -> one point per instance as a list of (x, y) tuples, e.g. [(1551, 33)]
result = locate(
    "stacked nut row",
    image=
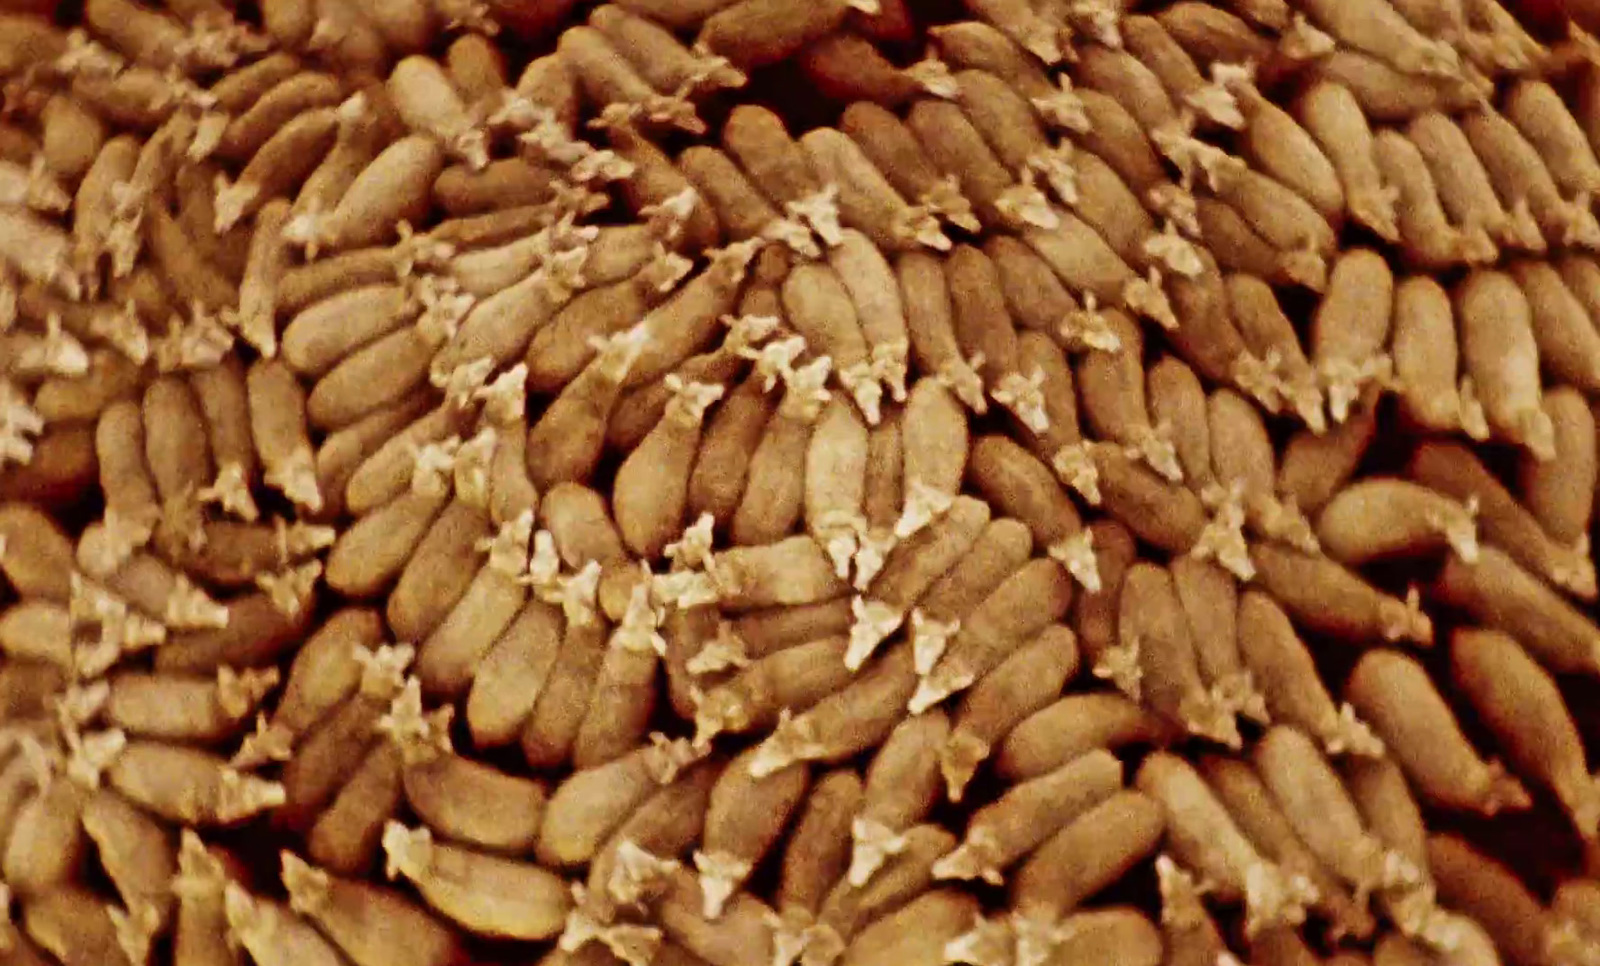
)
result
[(587, 519)]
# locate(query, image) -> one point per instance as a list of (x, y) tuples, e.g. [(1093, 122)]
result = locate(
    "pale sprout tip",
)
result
[(721, 874)]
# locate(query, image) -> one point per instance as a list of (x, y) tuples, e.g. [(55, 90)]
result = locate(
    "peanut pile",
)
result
[(773, 482)]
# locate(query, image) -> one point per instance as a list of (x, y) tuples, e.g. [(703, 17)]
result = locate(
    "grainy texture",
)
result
[(747, 429)]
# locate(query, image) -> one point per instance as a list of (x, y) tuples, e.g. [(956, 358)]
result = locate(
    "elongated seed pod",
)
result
[(1152, 45), (1425, 358), (1030, 812), (895, 151), (656, 180), (1154, 631), (1225, 33), (377, 468), (1316, 464), (256, 118), (337, 745), (324, 333), (1430, 241), (743, 930), (1332, 116), (1502, 520), (1281, 665), (918, 565), (1164, 514), (1177, 400), (977, 45), (1539, 114), (1204, 838), (640, 409), (670, 66), (75, 926), (1020, 485), (564, 444), (847, 909), (1559, 493), (867, 201), (1259, 815), (1021, 685), (1569, 348), (47, 845), (920, 930), (1280, 147), (482, 893), (1351, 327), (1383, 33), (818, 304), (741, 209), (1037, 299), (513, 673), (930, 320), (552, 728), (176, 448), (1380, 517), (1074, 725), (624, 693), (901, 789), (866, 275), (1101, 198), (847, 722), (745, 816), (345, 908), (1488, 892), (935, 442), (774, 496), (848, 67), (757, 138), (1521, 705), (261, 627), (1112, 386), (631, 864), (1464, 185), (467, 801), (1243, 463), (651, 490), (186, 708), (730, 438), (278, 168), (796, 677), (589, 805), (1393, 693), (755, 33), (818, 851), (1325, 597), (278, 426), (394, 187), (1210, 599), (1519, 174), (1268, 335), (326, 670), (1108, 839), (428, 103), (1314, 800), (1502, 357), (1378, 787), (1037, 594), (189, 786)]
